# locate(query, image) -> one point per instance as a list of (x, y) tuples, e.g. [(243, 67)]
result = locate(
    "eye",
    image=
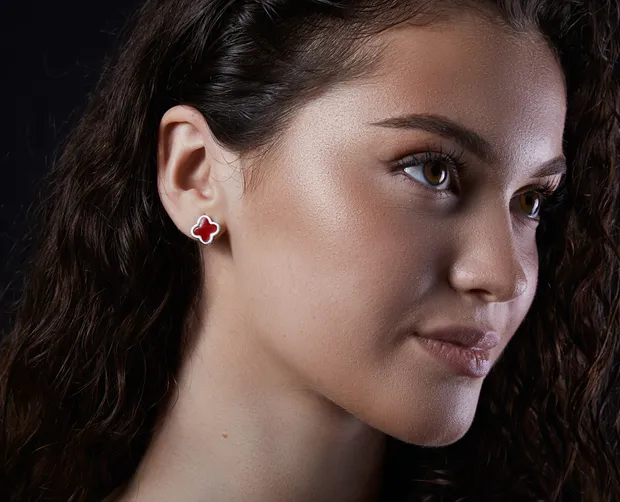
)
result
[(539, 198), (435, 171), (531, 202)]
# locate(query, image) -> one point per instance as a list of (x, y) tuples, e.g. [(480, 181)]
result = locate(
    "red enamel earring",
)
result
[(205, 230)]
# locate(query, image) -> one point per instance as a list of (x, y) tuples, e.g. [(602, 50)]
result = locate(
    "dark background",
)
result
[(51, 54)]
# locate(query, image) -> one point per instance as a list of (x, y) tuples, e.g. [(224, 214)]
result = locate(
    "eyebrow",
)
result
[(469, 139)]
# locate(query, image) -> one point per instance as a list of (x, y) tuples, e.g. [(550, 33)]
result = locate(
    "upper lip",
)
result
[(465, 336)]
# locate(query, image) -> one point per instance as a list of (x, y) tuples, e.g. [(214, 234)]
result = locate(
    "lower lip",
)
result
[(467, 362)]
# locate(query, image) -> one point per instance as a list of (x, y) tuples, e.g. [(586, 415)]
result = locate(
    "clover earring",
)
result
[(205, 230)]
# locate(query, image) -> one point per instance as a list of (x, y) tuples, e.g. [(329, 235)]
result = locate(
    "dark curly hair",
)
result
[(94, 323)]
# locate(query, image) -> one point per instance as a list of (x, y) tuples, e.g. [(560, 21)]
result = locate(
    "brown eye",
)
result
[(436, 172), (530, 203), (433, 173)]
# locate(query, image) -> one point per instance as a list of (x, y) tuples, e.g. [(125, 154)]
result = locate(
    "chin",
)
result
[(436, 435), (447, 438), (432, 439), (429, 431)]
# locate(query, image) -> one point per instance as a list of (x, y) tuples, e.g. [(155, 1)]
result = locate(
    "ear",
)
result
[(191, 170)]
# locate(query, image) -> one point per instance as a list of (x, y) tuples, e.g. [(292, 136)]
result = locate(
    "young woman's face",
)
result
[(341, 256)]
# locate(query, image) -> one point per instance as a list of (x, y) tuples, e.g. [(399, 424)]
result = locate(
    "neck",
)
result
[(243, 428)]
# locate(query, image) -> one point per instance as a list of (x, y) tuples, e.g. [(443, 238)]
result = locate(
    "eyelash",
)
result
[(550, 195)]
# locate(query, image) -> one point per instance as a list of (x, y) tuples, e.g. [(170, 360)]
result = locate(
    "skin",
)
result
[(304, 360)]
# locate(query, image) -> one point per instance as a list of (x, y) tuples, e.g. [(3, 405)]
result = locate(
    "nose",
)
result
[(488, 262)]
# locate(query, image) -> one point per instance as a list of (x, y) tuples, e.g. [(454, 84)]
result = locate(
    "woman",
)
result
[(312, 250)]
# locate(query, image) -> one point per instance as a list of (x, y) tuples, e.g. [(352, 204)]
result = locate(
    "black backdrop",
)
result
[(50, 54)]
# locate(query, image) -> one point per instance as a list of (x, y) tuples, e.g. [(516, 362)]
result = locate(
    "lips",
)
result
[(468, 337)]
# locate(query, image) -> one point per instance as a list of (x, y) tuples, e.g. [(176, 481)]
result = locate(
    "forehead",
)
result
[(508, 87)]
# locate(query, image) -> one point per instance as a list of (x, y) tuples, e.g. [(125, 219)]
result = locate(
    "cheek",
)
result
[(327, 271), (528, 256), (532, 269)]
